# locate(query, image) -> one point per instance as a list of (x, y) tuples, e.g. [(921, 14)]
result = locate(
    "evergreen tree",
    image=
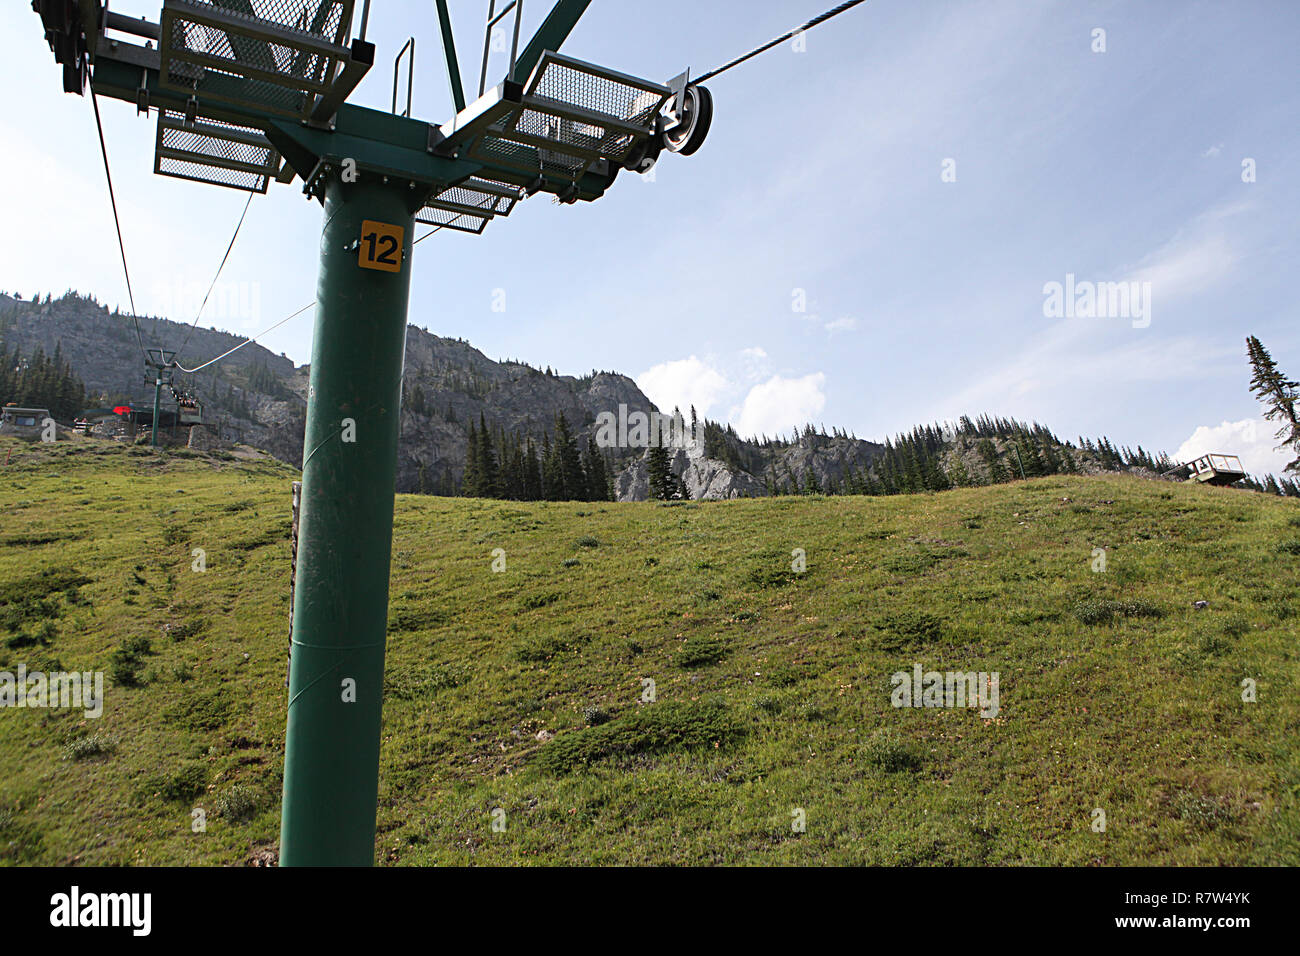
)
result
[(511, 468), (472, 486), (593, 465), (41, 382), (988, 451), (552, 472), (572, 483), (661, 479), (489, 474), (1050, 459), (532, 474), (1279, 395)]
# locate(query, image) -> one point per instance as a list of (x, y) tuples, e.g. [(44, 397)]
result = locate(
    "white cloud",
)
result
[(755, 363), (1182, 267), (1073, 357), (1250, 439), (842, 324), (1213, 150), (683, 383), (1197, 257), (780, 404)]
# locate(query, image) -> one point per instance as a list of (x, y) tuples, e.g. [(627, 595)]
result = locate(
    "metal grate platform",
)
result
[(469, 206), (213, 151), (276, 55), (461, 222), (571, 115)]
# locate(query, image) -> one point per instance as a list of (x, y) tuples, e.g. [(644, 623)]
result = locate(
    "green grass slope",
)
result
[(515, 698)]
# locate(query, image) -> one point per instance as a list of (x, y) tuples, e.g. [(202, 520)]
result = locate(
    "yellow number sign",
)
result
[(381, 246)]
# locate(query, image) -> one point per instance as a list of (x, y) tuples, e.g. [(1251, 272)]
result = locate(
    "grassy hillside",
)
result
[(522, 689)]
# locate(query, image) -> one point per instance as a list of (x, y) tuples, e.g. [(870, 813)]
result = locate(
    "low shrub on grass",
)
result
[(900, 630), (889, 752), (701, 649), (1105, 612), (775, 575), (199, 711), (182, 785), (534, 601), (542, 648), (127, 662), (94, 745), (237, 803), (781, 676), (910, 562), (185, 629), (1201, 811), (423, 684), (655, 728)]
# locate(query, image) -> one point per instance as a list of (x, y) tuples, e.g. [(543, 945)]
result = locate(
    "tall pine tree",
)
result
[(663, 484), (1279, 395)]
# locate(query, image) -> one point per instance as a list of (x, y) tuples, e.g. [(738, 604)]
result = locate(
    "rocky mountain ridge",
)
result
[(259, 398)]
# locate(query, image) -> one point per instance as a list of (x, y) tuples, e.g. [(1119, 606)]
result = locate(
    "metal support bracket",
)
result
[(361, 57)]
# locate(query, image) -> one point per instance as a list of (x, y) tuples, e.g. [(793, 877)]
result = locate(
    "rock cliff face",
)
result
[(448, 384), (705, 478), (102, 346), (259, 398)]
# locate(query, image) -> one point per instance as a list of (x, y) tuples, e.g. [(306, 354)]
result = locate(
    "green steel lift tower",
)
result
[(159, 366), (250, 91)]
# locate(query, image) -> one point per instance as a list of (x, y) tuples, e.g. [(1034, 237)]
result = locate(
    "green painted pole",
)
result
[(157, 407), (340, 609)]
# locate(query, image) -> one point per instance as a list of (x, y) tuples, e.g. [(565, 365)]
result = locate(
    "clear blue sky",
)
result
[(823, 173)]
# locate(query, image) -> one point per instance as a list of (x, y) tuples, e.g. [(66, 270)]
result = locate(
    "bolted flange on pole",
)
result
[(340, 602)]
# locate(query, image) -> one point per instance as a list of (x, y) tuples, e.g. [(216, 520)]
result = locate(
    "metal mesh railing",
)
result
[(625, 98), (328, 19), (224, 86), (213, 175), (274, 54), (235, 155), (499, 151), (447, 219), (187, 141), (468, 195), (203, 42), (590, 139)]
